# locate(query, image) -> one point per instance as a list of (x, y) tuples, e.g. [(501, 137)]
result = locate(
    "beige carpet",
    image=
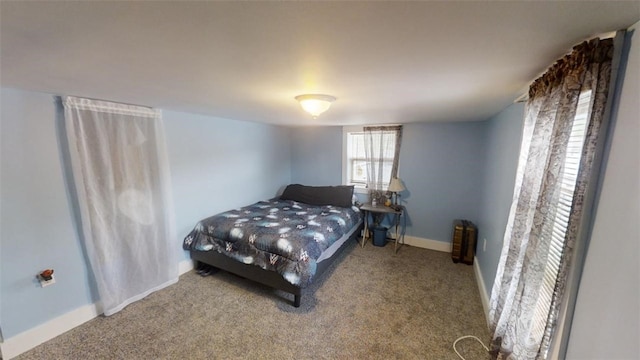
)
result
[(371, 304)]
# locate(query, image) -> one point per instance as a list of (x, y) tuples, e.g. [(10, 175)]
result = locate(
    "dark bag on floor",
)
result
[(464, 241)]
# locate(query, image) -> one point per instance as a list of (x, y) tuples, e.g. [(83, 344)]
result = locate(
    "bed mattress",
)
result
[(285, 236)]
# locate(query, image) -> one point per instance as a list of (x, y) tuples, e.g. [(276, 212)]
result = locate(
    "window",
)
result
[(354, 170), (356, 162)]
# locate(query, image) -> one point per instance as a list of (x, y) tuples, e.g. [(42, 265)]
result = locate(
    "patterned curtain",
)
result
[(382, 152), (516, 305)]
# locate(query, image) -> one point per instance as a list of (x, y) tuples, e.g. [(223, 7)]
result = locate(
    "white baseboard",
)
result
[(427, 243), (484, 297), (33, 337)]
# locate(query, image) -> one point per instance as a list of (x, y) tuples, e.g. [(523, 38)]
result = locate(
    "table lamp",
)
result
[(395, 186)]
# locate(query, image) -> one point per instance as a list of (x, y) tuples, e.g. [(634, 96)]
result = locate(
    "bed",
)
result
[(286, 242)]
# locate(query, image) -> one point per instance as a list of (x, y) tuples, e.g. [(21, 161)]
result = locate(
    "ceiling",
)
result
[(386, 62)]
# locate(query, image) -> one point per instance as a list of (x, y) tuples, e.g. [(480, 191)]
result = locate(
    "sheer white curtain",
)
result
[(120, 170), (382, 152)]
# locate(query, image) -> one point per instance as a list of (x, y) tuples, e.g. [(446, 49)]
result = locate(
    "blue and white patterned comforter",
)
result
[(279, 235)]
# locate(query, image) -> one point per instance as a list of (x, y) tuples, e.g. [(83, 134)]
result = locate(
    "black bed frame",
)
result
[(265, 277)]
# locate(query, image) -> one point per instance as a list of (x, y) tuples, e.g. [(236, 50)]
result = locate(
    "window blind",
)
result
[(556, 223), (357, 162)]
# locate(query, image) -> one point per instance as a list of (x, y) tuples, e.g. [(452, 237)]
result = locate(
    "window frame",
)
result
[(346, 160)]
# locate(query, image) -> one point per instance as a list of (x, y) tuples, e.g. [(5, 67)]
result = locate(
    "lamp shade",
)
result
[(315, 104), (396, 185)]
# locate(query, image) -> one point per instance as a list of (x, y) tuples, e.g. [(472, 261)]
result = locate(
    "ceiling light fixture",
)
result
[(315, 104)]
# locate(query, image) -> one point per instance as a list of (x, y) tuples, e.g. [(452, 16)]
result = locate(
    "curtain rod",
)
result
[(112, 101), (525, 93)]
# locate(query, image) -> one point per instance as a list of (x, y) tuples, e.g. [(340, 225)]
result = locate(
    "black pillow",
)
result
[(340, 195)]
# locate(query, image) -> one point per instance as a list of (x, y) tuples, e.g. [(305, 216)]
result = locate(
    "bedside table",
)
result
[(381, 211)]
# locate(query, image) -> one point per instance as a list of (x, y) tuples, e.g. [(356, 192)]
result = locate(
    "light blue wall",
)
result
[(504, 133), (606, 323), (316, 155), (215, 165), (37, 228), (218, 164), (440, 164)]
